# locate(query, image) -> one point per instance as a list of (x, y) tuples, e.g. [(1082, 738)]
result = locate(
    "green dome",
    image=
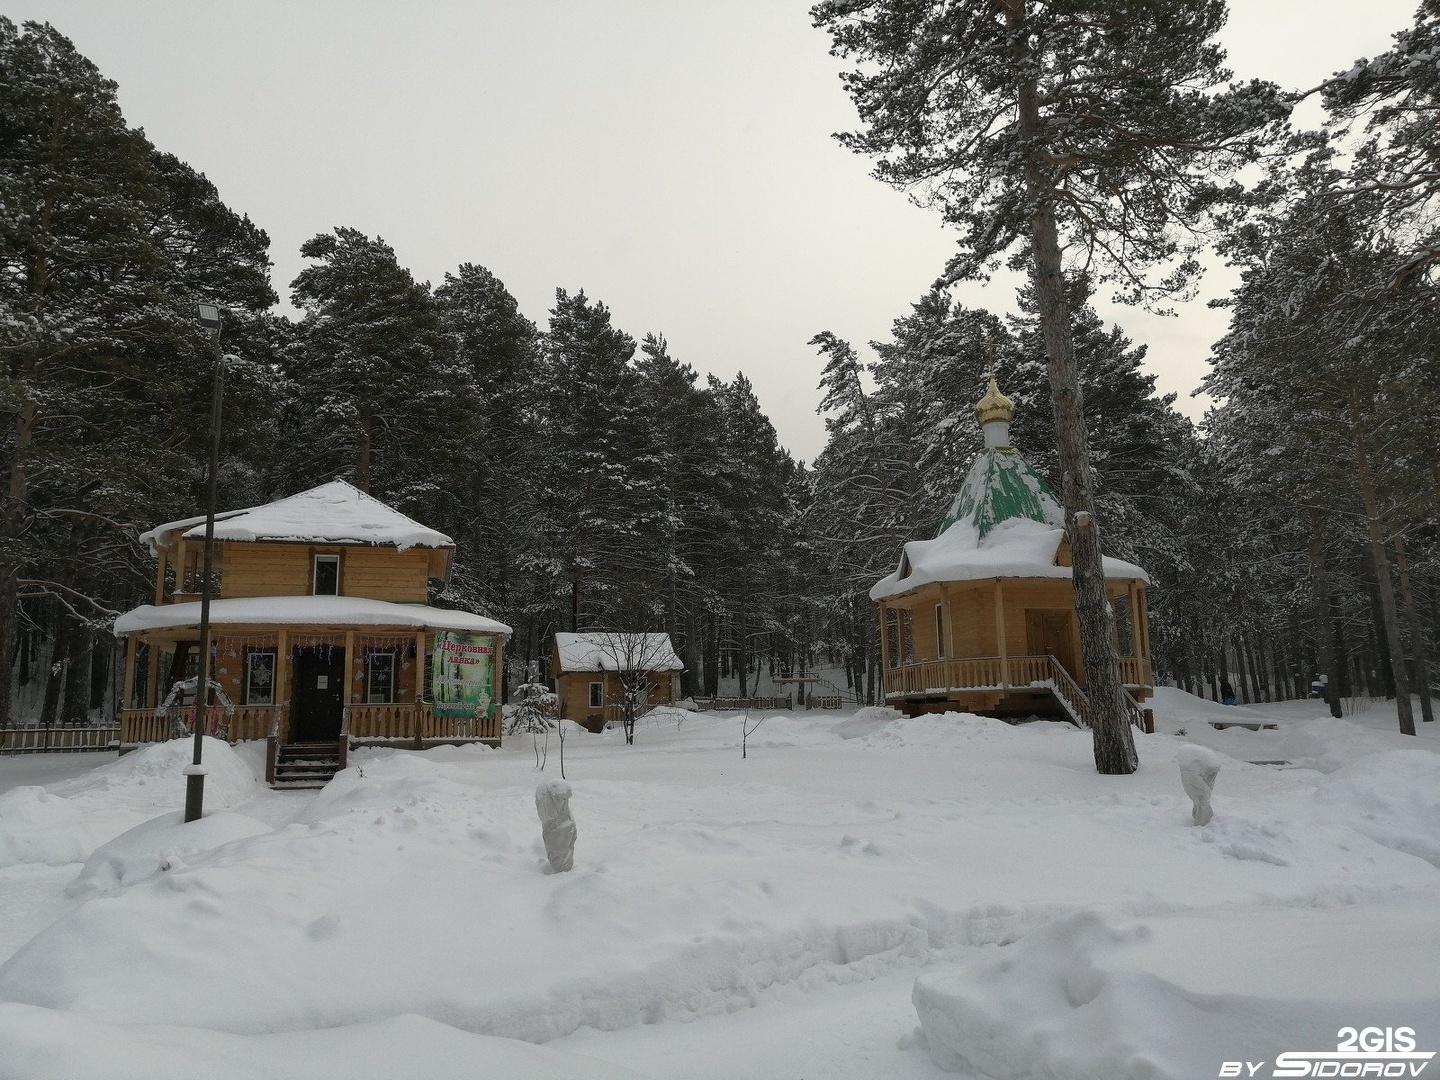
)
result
[(1001, 485)]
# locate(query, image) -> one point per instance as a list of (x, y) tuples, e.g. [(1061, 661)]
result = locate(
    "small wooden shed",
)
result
[(594, 671), (321, 635), (981, 617)]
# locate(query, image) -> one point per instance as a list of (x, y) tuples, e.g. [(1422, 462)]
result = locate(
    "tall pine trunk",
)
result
[(1110, 721), (1325, 644), (1420, 667), (1382, 569)]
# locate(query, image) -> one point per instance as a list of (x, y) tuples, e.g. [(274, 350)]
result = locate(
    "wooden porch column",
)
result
[(347, 697), (1142, 624), (181, 556), (419, 687), (500, 674), (152, 676), (884, 653), (1000, 635), (282, 679), (132, 647), (160, 577), (948, 619), (884, 637)]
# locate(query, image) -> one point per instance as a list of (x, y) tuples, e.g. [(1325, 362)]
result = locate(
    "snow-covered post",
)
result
[(552, 803), (1199, 766)]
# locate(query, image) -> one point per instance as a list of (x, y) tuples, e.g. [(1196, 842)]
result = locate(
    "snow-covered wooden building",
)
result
[(981, 617), (321, 635), (594, 671)]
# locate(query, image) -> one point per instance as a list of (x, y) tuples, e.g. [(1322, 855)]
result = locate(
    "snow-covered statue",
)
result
[(1199, 766), (552, 802)]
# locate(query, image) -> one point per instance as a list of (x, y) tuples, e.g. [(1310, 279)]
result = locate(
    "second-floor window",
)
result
[(327, 575)]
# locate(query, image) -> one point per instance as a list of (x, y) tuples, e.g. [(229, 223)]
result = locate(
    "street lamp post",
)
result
[(194, 773)]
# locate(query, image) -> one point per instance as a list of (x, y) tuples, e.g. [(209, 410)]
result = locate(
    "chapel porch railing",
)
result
[(993, 673)]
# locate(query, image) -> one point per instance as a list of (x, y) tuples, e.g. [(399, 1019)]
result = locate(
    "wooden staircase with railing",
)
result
[(1077, 705)]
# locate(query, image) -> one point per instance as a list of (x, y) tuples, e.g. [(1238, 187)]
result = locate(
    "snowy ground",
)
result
[(796, 914)]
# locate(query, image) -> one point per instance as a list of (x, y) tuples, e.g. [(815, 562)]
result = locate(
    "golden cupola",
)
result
[(995, 411)]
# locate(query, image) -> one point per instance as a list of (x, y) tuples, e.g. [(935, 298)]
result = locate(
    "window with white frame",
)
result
[(260, 677), (597, 695), (380, 678), (326, 580)]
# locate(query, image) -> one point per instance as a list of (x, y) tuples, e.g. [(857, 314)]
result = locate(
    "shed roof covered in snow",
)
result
[(613, 651), (333, 513)]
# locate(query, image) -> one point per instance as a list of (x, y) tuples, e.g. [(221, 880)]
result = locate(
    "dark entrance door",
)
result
[(319, 693), (1050, 634)]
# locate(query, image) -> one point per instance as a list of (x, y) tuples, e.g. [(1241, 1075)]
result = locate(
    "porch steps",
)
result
[(306, 765)]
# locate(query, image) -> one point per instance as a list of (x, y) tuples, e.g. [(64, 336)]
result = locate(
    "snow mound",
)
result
[(669, 714), (1177, 707), (786, 729), (1391, 797), (1100, 996), (153, 776), (1327, 744), (156, 846), (36, 827), (939, 731), (42, 1044)]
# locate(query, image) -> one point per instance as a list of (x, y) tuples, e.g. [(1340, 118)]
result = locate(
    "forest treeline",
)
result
[(591, 479)]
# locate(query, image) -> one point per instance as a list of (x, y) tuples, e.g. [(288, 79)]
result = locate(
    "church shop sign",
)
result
[(462, 675)]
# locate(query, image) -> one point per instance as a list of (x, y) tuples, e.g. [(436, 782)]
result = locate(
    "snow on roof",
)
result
[(333, 513), (607, 651), (1017, 548), (305, 610)]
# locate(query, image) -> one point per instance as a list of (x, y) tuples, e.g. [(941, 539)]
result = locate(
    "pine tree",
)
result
[(597, 483), (105, 246), (379, 395), (1030, 121), (498, 348), (1309, 368), (1397, 168)]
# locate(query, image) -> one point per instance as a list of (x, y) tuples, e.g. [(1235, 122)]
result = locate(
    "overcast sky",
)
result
[(672, 158)]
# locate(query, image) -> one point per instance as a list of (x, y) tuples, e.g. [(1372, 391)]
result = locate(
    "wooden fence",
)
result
[(736, 703), (57, 739)]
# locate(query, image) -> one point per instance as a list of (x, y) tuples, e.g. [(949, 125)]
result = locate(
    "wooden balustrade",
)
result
[(251, 721), (409, 719), (235, 724), (143, 726), (1069, 692), (1135, 671), (397, 721), (992, 673)]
